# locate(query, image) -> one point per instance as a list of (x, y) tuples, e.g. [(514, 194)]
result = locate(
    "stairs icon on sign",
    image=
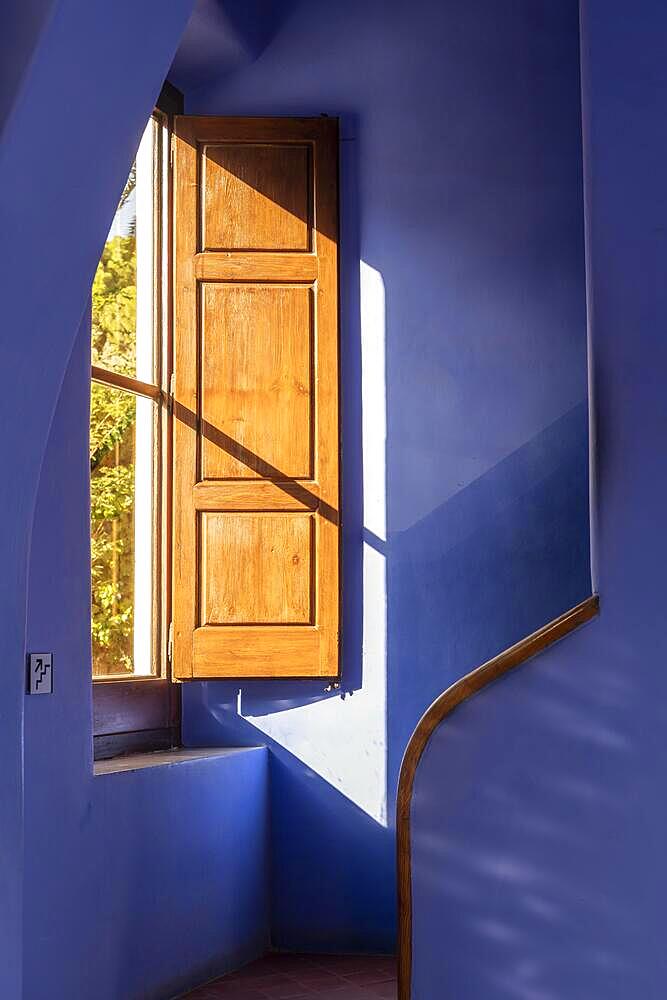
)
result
[(40, 673)]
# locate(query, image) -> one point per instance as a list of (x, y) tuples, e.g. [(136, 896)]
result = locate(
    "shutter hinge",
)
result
[(170, 643), (171, 394)]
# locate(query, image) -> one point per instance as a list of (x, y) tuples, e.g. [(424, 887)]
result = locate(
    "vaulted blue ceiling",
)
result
[(223, 35)]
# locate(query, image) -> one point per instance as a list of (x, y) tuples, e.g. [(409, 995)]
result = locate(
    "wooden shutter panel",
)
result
[(256, 441)]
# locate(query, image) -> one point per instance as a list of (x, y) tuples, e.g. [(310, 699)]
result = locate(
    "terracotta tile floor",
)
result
[(301, 977)]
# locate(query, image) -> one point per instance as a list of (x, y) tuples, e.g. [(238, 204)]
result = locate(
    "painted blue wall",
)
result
[(130, 885), (21, 25), (461, 196), (539, 817), (64, 111), (223, 35), (137, 884), (465, 496)]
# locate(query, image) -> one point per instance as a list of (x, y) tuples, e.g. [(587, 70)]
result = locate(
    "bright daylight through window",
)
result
[(125, 424)]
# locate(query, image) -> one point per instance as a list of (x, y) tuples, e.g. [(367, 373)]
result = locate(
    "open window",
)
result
[(247, 582), (135, 704)]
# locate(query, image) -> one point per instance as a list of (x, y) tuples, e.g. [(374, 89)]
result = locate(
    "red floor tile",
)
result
[(306, 977)]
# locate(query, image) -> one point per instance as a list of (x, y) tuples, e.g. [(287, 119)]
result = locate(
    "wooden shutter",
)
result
[(256, 441)]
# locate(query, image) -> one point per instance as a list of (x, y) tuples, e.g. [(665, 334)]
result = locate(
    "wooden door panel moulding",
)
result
[(256, 381), (203, 129), (277, 267), (441, 708), (268, 197), (239, 651), (256, 398), (265, 495)]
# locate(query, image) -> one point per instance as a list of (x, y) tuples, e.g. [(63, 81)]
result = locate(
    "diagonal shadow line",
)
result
[(274, 188), (263, 468)]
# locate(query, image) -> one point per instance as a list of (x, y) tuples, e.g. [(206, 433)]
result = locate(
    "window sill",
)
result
[(163, 758)]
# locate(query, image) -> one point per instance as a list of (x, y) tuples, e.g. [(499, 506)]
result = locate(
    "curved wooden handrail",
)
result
[(439, 710)]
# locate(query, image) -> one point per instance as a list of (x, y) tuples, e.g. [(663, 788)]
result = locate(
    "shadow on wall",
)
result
[(465, 448), (526, 838), (317, 835), (21, 25), (457, 579), (224, 35), (449, 614)]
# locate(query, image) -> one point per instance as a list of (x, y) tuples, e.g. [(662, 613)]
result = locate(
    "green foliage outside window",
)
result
[(112, 422)]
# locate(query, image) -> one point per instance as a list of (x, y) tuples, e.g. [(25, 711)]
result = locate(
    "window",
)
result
[(254, 587), (135, 704), (125, 422)]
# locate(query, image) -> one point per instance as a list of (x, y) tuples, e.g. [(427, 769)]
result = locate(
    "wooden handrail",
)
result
[(439, 710)]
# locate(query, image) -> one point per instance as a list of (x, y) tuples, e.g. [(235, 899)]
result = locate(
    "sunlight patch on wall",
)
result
[(344, 739)]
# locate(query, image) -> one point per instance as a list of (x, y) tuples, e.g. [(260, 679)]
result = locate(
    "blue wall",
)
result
[(21, 27), (137, 884), (64, 111), (464, 405), (130, 885), (540, 819), (461, 195)]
